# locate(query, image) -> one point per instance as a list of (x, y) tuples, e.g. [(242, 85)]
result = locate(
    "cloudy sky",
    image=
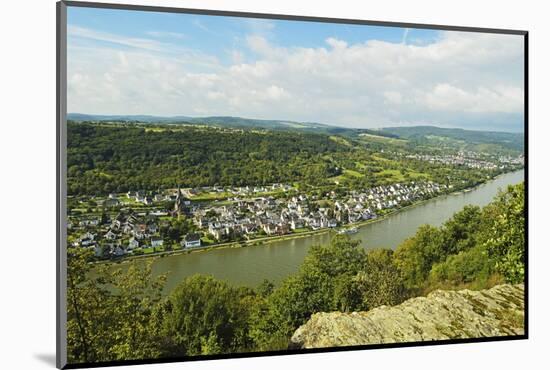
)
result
[(134, 62)]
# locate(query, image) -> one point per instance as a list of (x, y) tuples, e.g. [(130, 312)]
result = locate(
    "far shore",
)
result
[(272, 239)]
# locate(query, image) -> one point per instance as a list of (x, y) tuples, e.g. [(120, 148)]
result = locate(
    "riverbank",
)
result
[(229, 245), (289, 237), (277, 259)]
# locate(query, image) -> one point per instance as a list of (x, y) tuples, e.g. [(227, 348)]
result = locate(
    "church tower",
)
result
[(180, 203)]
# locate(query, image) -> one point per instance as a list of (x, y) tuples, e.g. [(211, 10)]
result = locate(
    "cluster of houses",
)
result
[(126, 233), (247, 218), (469, 159), (270, 216), (150, 198), (140, 196), (509, 160), (238, 190)]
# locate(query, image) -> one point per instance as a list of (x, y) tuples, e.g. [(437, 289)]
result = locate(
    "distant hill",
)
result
[(418, 134), (128, 118), (226, 121), (211, 120), (508, 140)]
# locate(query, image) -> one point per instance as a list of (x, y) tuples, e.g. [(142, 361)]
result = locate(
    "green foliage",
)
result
[(121, 315), (137, 297), (175, 229), (111, 316), (471, 248), (473, 267), (311, 290), (380, 282), (86, 313), (416, 255), (205, 316), (265, 288), (342, 256), (103, 158), (459, 232), (109, 157), (504, 232)]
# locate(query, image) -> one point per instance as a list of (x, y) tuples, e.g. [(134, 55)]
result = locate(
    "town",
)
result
[(140, 222), (471, 159)]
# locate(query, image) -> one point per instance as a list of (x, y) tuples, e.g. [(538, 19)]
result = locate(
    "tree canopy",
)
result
[(122, 314)]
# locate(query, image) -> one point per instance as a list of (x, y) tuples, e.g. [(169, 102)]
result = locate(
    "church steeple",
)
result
[(179, 205)]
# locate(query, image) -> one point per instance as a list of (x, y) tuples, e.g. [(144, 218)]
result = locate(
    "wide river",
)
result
[(277, 260)]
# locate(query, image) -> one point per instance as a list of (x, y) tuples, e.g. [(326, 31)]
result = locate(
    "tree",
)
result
[(380, 282), (110, 315), (343, 255), (204, 316), (311, 290), (347, 293), (472, 268), (86, 314), (138, 295), (265, 288), (416, 255), (104, 219), (459, 232), (504, 232)]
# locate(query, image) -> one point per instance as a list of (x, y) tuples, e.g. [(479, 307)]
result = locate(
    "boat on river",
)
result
[(351, 230)]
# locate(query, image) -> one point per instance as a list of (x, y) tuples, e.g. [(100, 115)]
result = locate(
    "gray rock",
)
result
[(441, 315)]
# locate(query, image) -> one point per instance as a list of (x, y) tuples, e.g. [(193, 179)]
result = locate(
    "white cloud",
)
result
[(276, 93), (336, 44), (445, 97), (262, 47), (459, 79)]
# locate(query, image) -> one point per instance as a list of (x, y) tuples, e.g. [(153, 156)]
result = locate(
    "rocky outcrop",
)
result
[(441, 315)]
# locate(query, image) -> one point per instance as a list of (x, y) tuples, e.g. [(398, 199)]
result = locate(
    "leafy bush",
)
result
[(504, 232)]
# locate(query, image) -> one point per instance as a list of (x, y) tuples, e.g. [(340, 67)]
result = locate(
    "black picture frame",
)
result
[(61, 176)]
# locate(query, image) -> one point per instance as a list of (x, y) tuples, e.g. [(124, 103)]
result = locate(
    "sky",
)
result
[(127, 62)]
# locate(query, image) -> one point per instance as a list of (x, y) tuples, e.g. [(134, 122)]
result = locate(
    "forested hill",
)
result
[(222, 121), (508, 140), (215, 121), (116, 158)]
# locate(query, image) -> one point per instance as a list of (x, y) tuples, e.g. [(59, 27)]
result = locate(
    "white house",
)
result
[(156, 242), (134, 243), (192, 240)]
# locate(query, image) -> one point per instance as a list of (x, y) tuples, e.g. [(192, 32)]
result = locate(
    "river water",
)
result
[(277, 260)]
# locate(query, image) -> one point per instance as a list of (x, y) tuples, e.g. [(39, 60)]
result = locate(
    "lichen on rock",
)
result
[(441, 315)]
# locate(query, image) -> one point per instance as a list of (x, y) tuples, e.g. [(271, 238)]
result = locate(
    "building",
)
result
[(181, 204), (156, 241), (192, 240), (133, 243)]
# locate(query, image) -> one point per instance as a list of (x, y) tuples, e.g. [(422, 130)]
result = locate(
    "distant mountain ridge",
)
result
[(511, 140), (124, 117), (222, 121), (228, 120), (412, 133)]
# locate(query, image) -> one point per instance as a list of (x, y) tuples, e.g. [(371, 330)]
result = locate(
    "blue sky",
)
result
[(208, 33), (136, 62)]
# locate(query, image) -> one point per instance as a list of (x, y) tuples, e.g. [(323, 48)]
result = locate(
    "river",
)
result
[(279, 259)]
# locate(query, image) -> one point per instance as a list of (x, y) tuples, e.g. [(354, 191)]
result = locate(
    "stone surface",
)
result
[(441, 315)]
